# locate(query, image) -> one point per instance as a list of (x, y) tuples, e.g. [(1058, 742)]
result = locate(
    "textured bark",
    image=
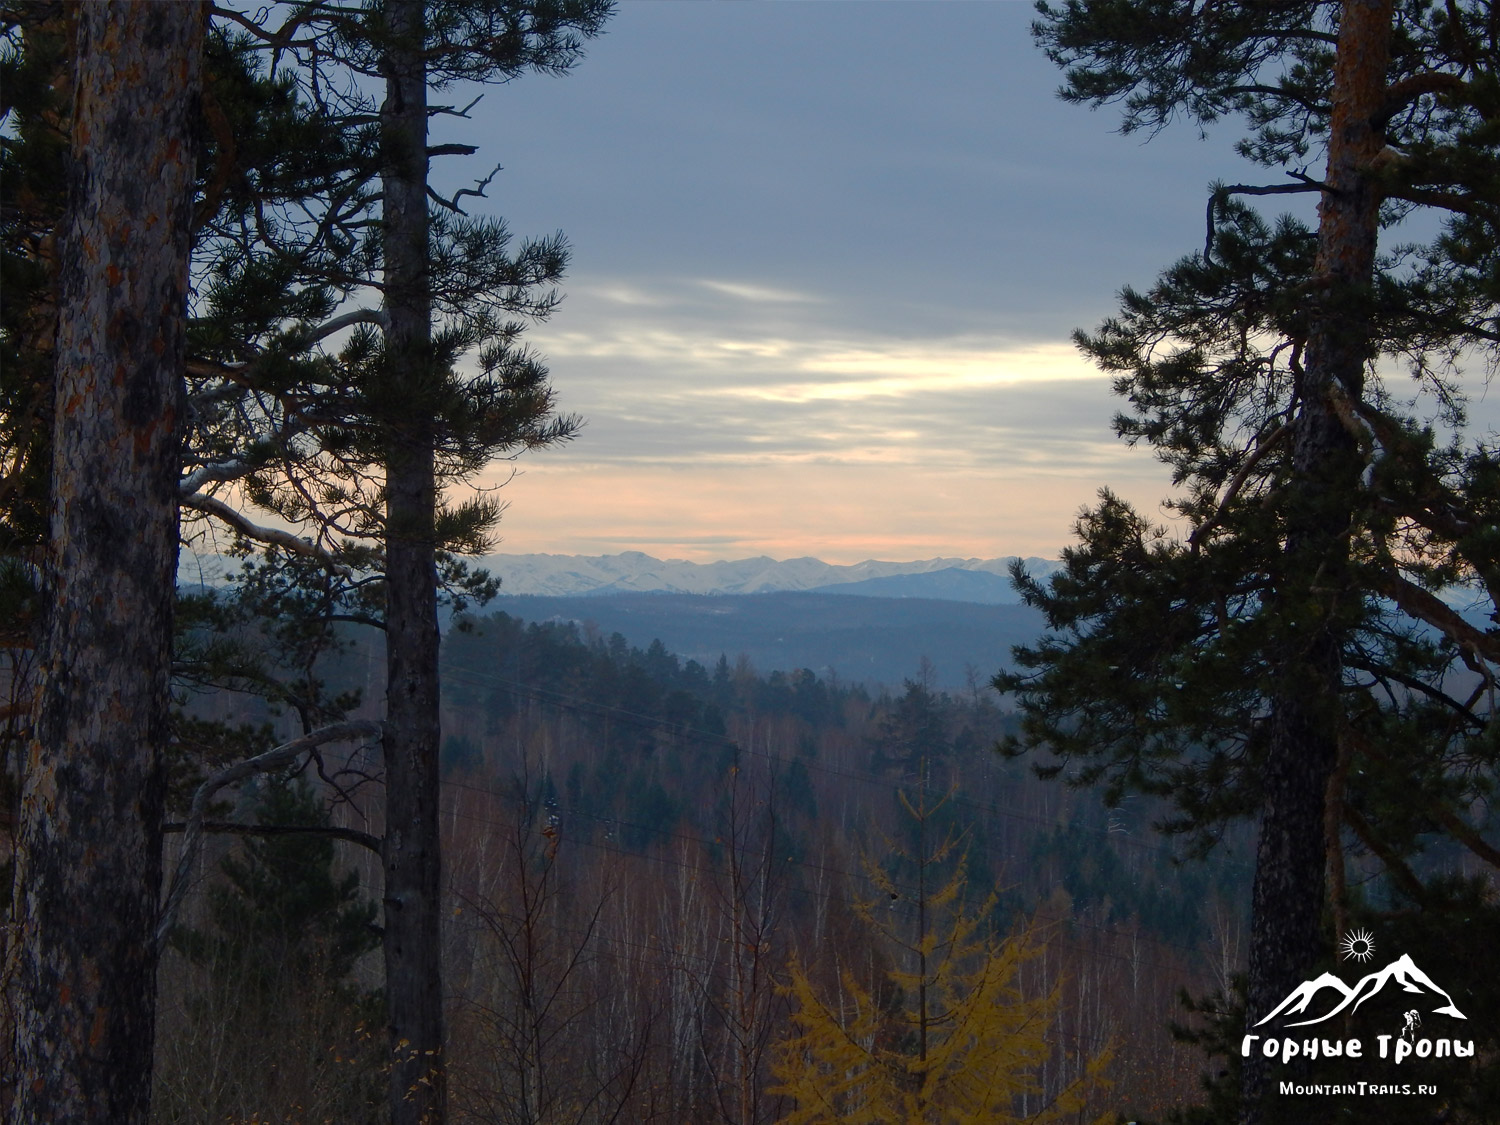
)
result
[(413, 869), (89, 848), (1286, 930)]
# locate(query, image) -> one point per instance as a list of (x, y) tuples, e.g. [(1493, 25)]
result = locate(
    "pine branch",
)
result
[(477, 191), (1429, 608), (282, 39), (1462, 831), (450, 111), (1381, 672), (1399, 871), (1465, 834), (214, 472), (1462, 204), (1233, 490), (1413, 86), (377, 317)]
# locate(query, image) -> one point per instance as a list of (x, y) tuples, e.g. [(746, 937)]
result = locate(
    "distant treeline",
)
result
[(637, 742), (658, 842)]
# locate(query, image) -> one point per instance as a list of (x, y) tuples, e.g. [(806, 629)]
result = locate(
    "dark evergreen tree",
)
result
[(412, 423), (1289, 657), (282, 399), (275, 956), (36, 69), (913, 739), (229, 122), (284, 907), (35, 103)]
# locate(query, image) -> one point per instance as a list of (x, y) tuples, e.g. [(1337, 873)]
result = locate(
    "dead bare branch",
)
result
[(272, 535), (274, 758)]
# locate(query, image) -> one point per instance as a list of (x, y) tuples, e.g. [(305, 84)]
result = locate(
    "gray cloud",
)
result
[(909, 158), (826, 260)]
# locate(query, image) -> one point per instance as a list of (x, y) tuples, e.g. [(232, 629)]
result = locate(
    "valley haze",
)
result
[(871, 622)]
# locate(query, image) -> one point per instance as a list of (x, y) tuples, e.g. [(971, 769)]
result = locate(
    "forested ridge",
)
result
[(658, 734), (661, 803)]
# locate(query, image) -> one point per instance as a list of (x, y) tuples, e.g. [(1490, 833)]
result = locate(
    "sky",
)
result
[(827, 256)]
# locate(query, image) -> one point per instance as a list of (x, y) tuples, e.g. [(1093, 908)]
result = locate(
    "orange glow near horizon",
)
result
[(839, 513)]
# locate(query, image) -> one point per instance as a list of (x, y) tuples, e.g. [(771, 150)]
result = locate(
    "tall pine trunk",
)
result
[(413, 869), (89, 849), (1286, 928)]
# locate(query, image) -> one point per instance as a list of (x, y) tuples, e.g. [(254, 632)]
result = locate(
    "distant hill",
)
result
[(951, 584), (981, 580), (876, 640)]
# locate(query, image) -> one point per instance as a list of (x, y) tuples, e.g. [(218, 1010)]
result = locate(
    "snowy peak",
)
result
[(953, 579), (1403, 972)]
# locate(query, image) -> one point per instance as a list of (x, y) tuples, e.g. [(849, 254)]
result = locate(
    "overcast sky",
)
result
[(827, 255)]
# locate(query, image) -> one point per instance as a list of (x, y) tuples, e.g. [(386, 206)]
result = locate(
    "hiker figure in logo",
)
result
[(1413, 1021)]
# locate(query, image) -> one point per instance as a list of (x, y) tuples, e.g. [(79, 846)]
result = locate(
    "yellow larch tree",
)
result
[(954, 1038)]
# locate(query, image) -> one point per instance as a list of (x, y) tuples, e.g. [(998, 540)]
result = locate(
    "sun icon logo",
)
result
[(1359, 944)]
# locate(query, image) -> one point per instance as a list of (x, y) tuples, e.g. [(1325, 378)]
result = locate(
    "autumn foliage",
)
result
[(955, 1036)]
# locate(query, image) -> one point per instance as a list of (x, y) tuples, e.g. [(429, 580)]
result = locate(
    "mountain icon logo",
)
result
[(1402, 972)]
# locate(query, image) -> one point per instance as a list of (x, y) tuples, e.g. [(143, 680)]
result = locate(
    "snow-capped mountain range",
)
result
[(1402, 971), (952, 579)]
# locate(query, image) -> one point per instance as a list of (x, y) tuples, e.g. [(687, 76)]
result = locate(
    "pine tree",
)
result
[(949, 1036), (272, 988), (35, 84), (36, 69), (88, 855), (281, 399), (283, 907), (395, 419), (913, 740), (1289, 658)]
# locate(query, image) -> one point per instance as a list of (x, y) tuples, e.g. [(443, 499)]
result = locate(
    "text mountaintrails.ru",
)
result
[(1362, 1089)]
